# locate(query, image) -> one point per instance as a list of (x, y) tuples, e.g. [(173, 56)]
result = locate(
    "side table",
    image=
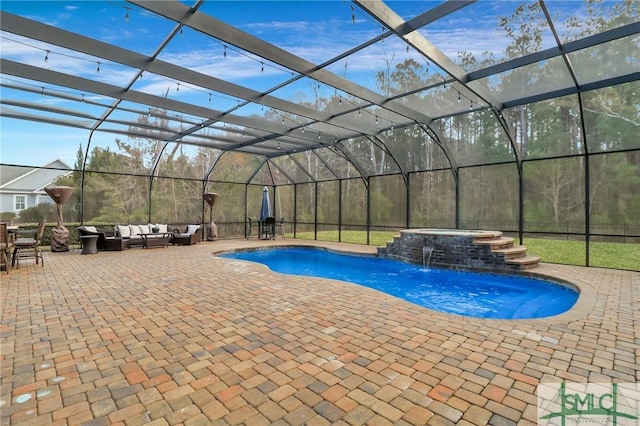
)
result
[(89, 244)]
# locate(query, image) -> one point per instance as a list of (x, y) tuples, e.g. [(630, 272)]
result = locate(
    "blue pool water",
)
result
[(457, 292)]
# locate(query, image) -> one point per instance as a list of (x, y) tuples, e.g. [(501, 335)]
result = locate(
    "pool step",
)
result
[(515, 255), (513, 252), (525, 262), (498, 243)]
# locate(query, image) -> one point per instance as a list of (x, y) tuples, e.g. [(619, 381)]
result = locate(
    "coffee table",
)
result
[(156, 239)]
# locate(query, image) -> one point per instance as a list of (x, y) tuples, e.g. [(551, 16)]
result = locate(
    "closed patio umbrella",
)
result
[(265, 211)]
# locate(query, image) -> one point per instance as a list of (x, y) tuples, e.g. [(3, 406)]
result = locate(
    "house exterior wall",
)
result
[(8, 200)]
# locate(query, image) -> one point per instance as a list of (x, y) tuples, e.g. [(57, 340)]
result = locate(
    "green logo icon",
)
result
[(582, 403)]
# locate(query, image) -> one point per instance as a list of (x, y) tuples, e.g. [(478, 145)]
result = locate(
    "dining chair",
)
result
[(248, 228), (280, 227), (27, 245), (6, 244), (269, 228)]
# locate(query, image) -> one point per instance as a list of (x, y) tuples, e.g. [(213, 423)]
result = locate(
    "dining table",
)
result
[(12, 231)]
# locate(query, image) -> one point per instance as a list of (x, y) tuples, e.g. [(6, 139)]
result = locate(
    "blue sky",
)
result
[(314, 30)]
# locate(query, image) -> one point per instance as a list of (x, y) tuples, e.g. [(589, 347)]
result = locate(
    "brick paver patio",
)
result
[(173, 335)]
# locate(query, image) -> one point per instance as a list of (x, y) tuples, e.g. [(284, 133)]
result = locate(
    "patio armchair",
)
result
[(27, 245), (185, 235)]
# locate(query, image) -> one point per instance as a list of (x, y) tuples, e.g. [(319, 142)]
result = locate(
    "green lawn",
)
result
[(607, 255)]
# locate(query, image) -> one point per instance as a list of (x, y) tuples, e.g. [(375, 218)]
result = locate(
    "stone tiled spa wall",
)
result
[(451, 251)]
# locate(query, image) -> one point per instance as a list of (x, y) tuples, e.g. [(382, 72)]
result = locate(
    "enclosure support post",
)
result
[(246, 210), (587, 204), (150, 187), (408, 202), (521, 202), (587, 184), (295, 210), (514, 147), (82, 177), (368, 210), (457, 207), (340, 210), (315, 210)]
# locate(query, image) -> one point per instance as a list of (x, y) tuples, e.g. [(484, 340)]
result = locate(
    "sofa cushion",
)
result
[(144, 229), (135, 230), (162, 227), (192, 229), (90, 229), (123, 230)]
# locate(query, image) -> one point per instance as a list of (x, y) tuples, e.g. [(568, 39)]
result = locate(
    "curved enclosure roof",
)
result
[(304, 91)]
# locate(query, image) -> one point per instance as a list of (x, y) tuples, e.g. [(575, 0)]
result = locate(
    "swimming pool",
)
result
[(473, 294)]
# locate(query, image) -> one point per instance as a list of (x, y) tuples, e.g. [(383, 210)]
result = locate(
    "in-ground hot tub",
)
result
[(456, 232), (458, 248)]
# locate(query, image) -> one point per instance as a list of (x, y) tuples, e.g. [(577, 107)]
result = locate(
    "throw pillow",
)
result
[(123, 230), (192, 229), (90, 229), (162, 227), (144, 229), (135, 230)]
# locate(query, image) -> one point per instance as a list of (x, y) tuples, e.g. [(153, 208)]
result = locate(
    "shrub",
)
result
[(46, 211), (7, 216)]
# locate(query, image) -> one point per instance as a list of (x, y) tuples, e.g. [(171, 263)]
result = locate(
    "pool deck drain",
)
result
[(175, 336)]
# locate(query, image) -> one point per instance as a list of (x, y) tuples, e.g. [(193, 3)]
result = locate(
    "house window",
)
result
[(20, 202)]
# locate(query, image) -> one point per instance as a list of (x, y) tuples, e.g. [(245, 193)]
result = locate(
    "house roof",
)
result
[(31, 179)]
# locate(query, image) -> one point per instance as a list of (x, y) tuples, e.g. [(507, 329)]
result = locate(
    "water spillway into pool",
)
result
[(473, 294)]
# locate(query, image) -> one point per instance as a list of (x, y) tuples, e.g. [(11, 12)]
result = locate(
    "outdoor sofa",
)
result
[(156, 234), (127, 236)]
